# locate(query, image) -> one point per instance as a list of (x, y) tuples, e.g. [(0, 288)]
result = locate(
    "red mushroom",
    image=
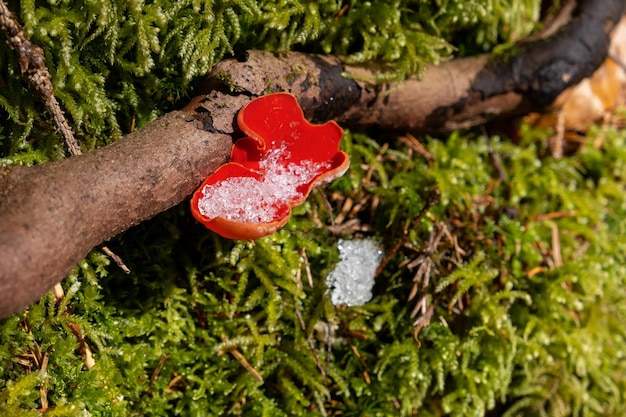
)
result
[(272, 169)]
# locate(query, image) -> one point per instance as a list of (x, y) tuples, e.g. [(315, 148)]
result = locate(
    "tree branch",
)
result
[(51, 215), (456, 94)]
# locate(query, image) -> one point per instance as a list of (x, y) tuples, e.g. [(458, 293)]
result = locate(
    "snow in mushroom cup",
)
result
[(271, 170)]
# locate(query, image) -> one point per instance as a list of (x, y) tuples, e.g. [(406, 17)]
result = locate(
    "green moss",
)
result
[(512, 333), (117, 65), (226, 79)]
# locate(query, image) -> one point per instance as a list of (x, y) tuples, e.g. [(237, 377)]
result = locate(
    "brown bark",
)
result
[(456, 94), (52, 215)]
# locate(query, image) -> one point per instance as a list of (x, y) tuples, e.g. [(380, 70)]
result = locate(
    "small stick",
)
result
[(157, 370), (433, 198), (43, 390), (307, 267), (299, 271), (556, 247), (174, 382), (555, 215), (33, 65), (412, 143), (329, 346), (494, 157), (116, 259), (366, 375), (309, 341), (243, 361), (83, 347), (327, 206)]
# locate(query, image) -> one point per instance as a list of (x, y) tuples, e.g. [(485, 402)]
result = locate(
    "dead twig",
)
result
[(412, 143), (33, 65), (366, 375), (242, 360), (421, 322), (494, 157), (157, 370), (176, 384), (556, 247), (43, 389), (309, 341), (554, 215), (83, 347), (433, 198), (120, 263), (307, 267)]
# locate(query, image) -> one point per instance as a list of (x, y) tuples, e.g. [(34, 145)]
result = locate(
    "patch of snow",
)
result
[(351, 281)]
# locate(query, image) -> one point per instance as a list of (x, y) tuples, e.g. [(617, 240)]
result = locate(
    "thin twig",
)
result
[(421, 322), (329, 346), (557, 141), (307, 267), (366, 375), (309, 341), (33, 65), (157, 370), (433, 198), (299, 271), (32, 61), (554, 215), (175, 382), (326, 204), (242, 360), (556, 247), (116, 259), (83, 347), (412, 143), (494, 157), (43, 389)]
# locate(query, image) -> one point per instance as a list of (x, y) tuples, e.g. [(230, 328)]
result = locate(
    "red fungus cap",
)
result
[(272, 169)]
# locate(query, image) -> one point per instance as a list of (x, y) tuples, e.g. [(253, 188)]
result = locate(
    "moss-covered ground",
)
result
[(525, 276), (503, 289)]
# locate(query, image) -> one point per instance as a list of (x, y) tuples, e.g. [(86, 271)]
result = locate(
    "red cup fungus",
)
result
[(271, 170)]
